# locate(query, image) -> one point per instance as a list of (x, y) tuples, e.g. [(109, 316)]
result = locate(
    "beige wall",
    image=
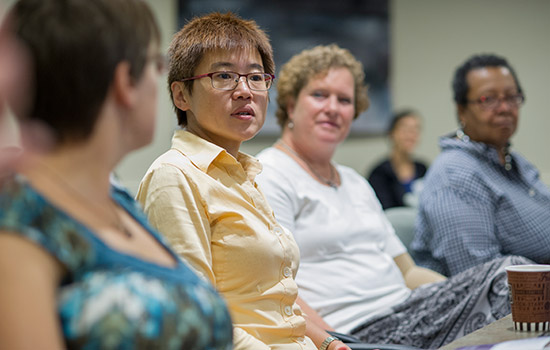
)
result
[(429, 39)]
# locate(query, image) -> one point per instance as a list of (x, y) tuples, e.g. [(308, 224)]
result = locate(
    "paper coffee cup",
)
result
[(530, 296)]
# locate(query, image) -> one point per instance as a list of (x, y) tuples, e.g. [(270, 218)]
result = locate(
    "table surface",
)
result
[(498, 331)]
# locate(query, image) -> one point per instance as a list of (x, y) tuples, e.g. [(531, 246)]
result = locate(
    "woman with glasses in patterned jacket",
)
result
[(481, 200)]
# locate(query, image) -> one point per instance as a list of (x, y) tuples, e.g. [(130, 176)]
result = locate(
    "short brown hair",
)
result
[(297, 72), (207, 33), (75, 46)]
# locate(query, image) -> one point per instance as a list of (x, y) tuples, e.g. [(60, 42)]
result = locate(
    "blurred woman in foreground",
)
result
[(80, 267)]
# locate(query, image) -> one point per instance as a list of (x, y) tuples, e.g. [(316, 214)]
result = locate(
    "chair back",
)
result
[(402, 220)]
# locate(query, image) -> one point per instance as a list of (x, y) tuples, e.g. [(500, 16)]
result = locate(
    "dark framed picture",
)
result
[(361, 26)]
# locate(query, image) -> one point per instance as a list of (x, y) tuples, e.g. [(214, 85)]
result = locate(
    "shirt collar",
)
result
[(203, 153), (480, 149)]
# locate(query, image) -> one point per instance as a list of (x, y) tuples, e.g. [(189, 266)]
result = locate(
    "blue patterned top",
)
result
[(111, 300), (473, 210)]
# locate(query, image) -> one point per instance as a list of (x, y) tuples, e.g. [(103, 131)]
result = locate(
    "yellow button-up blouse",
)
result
[(209, 207)]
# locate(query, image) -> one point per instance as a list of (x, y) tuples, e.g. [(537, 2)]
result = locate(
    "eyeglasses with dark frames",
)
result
[(492, 102), (230, 80)]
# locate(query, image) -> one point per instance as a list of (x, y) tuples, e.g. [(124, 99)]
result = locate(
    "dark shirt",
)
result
[(388, 188)]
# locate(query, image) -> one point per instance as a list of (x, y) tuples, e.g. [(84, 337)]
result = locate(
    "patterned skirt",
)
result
[(438, 313)]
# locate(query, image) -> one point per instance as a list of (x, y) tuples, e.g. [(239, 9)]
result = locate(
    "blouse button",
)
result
[(288, 310), (287, 272), (531, 192), (302, 340), (278, 231)]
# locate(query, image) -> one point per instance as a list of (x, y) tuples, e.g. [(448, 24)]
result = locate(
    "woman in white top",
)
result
[(355, 275)]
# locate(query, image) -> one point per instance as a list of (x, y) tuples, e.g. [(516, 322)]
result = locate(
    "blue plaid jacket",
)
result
[(473, 210)]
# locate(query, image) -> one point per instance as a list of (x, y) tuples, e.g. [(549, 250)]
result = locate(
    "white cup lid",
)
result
[(528, 268)]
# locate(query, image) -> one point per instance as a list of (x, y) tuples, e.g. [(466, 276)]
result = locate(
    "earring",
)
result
[(290, 124), (461, 135)]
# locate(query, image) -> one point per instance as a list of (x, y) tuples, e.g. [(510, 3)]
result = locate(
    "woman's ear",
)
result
[(461, 111), (290, 107), (124, 85), (180, 96)]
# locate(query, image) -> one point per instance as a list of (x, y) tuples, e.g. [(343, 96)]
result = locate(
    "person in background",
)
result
[(481, 200), (355, 275), (80, 267), (202, 194), (394, 177)]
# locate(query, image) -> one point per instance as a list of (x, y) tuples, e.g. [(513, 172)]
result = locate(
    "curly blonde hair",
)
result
[(301, 68)]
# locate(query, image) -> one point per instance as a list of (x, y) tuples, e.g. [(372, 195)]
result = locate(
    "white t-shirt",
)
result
[(347, 272)]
